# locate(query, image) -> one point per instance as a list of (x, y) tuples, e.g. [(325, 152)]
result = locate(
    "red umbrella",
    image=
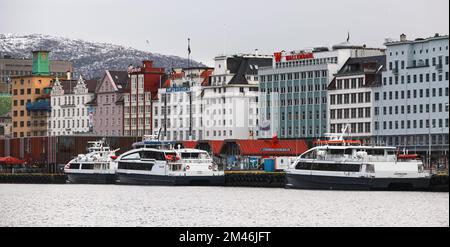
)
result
[(11, 161)]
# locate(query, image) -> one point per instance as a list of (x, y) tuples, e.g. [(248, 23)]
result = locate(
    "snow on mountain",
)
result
[(89, 58)]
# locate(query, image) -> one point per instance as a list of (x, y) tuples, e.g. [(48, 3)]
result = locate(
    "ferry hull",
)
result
[(78, 178), (138, 179), (298, 181)]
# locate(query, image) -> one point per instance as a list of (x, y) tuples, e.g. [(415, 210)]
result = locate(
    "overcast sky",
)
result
[(230, 26)]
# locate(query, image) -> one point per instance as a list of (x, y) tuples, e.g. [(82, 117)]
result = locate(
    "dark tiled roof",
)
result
[(120, 79), (362, 64), (69, 85), (371, 67), (243, 66)]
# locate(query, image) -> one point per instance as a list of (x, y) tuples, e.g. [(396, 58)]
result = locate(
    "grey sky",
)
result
[(248, 24)]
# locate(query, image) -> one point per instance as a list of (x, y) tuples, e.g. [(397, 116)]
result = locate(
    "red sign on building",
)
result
[(279, 56)]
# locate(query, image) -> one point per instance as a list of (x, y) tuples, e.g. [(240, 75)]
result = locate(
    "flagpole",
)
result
[(189, 53)]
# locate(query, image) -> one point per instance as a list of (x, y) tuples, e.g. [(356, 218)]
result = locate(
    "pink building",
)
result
[(108, 104)]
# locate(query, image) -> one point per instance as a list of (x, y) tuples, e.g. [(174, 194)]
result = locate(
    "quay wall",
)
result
[(439, 183)]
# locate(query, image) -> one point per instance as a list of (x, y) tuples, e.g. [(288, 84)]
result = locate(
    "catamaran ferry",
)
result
[(95, 167), (339, 164), (154, 162)]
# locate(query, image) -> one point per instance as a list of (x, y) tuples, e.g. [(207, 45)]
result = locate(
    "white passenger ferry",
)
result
[(340, 164), (95, 167), (154, 162)]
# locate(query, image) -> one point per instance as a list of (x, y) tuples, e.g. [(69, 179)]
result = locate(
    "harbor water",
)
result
[(109, 205)]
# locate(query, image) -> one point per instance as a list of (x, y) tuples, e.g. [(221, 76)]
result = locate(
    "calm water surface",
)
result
[(109, 205)]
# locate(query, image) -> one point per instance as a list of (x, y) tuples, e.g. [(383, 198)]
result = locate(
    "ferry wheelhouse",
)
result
[(95, 167), (339, 164), (154, 162)]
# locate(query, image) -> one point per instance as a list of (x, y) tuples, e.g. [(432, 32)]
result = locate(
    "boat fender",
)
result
[(188, 167)]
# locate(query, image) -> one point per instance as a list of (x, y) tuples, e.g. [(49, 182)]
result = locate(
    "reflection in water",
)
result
[(110, 205)]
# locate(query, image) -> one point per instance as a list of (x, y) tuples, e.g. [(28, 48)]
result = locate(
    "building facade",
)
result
[(351, 97), (10, 67), (108, 103), (29, 98), (293, 91), (70, 112), (178, 107), (413, 101), (230, 103), (138, 98)]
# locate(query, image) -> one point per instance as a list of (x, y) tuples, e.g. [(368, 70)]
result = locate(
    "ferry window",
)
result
[(133, 156), (190, 155), (348, 151), (303, 166), (336, 151), (375, 152), (391, 152), (310, 155), (337, 167), (152, 155), (136, 166), (75, 166), (87, 166)]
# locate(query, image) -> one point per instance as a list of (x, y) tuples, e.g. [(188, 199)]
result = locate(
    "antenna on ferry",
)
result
[(159, 134)]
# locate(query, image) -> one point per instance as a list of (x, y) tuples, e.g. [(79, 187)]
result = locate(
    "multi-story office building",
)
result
[(178, 108), (30, 98), (293, 91), (71, 113), (230, 103), (138, 98), (10, 67), (108, 103), (351, 96), (412, 105)]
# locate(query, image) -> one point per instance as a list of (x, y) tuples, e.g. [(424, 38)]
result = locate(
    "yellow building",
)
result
[(30, 102)]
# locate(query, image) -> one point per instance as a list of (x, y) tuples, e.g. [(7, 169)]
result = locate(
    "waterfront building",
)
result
[(27, 92), (5, 125), (138, 98), (70, 112), (293, 91), (351, 97), (178, 107), (413, 103), (10, 67), (230, 102), (108, 103)]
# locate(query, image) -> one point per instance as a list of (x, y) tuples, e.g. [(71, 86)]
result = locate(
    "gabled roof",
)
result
[(243, 66), (69, 85), (371, 67), (118, 78)]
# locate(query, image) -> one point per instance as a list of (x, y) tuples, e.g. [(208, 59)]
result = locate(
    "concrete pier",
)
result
[(254, 179)]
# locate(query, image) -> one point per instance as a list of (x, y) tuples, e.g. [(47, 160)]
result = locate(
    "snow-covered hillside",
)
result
[(89, 58)]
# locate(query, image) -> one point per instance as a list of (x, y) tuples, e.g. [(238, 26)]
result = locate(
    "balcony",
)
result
[(39, 106)]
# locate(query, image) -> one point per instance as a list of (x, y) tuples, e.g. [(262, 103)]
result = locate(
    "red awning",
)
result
[(11, 161), (190, 144), (216, 147), (272, 147)]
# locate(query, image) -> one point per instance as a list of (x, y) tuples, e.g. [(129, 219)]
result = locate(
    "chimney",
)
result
[(256, 52), (69, 75), (403, 37), (148, 64), (436, 35)]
